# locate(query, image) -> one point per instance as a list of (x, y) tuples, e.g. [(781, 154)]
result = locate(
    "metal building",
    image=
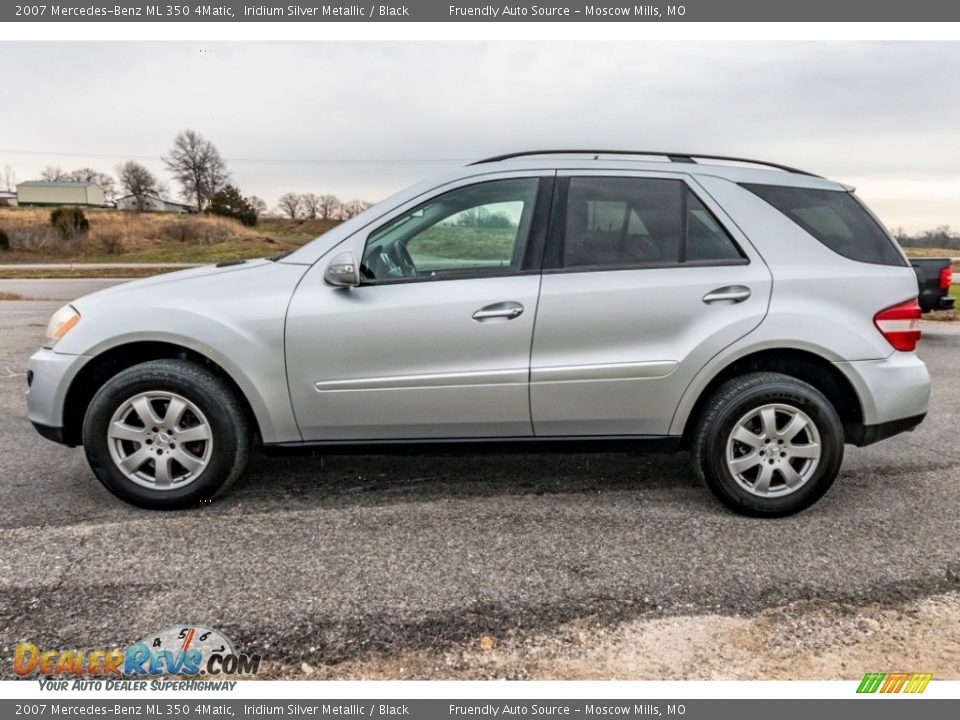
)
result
[(53, 193)]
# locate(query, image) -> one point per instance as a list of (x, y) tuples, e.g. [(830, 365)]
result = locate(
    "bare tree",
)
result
[(106, 182), (197, 165), (52, 173), (138, 181), (289, 205), (329, 204), (258, 204), (311, 205), (9, 179), (353, 208)]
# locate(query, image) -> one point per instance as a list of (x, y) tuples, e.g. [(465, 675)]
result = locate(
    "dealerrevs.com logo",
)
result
[(181, 650)]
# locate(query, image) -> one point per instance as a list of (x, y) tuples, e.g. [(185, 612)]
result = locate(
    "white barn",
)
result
[(54, 193)]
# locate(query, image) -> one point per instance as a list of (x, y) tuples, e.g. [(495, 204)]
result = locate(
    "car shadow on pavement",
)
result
[(340, 480)]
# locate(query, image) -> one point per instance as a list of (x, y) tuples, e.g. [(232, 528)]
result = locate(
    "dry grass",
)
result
[(11, 296), (931, 252), (145, 237)]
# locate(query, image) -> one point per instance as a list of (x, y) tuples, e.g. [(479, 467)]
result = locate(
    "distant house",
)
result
[(153, 203), (45, 193), (8, 198)]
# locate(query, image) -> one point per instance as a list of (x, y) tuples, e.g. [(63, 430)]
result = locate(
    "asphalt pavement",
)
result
[(322, 559)]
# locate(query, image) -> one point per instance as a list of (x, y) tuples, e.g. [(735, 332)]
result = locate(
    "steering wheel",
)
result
[(403, 261)]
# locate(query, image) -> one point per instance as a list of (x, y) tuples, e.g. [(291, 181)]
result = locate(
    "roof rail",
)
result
[(673, 157)]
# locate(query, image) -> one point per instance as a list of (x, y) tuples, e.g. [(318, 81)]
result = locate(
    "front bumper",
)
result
[(894, 395), (49, 375)]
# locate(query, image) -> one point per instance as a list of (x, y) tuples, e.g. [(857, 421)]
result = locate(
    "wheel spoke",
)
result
[(162, 476), (796, 424), (132, 462), (762, 485), (742, 464), (810, 450), (768, 419), (188, 460), (175, 408), (200, 432), (790, 476), (145, 412), (163, 443), (741, 434), (122, 431)]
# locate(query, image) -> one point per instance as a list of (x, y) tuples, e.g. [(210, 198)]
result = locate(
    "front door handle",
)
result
[(503, 310), (730, 294)]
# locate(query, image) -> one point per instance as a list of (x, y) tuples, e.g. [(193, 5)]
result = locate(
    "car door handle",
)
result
[(506, 310), (730, 294)]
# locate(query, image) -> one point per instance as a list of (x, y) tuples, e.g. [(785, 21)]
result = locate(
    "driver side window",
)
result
[(475, 230)]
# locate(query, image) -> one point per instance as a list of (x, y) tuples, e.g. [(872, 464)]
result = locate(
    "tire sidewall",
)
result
[(205, 395), (800, 396)]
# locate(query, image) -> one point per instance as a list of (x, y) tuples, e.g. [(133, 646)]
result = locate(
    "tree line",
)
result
[(201, 172), (939, 237), (308, 206)]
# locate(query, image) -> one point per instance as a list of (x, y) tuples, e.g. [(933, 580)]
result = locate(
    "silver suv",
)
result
[(756, 315)]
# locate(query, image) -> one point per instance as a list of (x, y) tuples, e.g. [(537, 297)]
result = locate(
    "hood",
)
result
[(190, 274)]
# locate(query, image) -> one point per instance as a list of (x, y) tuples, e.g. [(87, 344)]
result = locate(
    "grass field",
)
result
[(446, 241), (116, 236)]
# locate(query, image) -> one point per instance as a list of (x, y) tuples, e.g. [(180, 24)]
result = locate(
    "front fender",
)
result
[(235, 319)]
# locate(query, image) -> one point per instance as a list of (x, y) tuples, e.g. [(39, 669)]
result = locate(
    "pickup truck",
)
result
[(934, 276)]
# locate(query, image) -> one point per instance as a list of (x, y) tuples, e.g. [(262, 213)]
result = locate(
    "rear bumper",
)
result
[(861, 435), (946, 302), (894, 395), (936, 300)]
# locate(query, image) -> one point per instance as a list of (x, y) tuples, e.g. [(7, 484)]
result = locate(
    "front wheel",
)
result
[(768, 444), (166, 434)]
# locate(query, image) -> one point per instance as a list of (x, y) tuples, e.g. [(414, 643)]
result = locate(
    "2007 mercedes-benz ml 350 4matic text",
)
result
[(756, 315)]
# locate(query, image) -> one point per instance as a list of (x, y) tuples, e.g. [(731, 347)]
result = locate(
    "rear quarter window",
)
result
[(835, 218)]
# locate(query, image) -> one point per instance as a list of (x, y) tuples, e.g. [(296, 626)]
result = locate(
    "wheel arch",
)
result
[(108, 363), (804, 365)]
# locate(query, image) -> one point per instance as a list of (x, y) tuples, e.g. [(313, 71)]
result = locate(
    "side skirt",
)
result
[(473, 446)]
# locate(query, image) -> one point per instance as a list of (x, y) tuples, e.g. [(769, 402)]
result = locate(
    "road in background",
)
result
[(64, 289)]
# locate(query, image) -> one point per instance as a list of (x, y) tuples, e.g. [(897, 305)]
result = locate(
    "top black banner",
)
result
[(446, 11)]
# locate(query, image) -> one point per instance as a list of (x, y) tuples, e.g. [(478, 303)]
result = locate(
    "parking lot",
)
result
[(472, 566)]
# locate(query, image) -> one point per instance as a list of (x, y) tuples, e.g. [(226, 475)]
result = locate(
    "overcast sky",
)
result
[(364, 119)]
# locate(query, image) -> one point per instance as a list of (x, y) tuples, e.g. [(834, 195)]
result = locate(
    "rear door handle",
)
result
[(730, 294), (504, 310)]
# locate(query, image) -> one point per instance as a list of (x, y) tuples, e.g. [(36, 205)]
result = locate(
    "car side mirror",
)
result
[(342, 271)]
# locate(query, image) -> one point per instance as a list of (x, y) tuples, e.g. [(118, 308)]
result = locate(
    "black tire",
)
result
[(721, 414), (227, 421)]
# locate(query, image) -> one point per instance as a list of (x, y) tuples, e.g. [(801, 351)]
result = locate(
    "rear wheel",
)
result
[(768, 444), (166, 434)]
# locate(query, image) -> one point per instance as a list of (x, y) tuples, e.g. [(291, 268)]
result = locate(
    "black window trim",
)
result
[(553, 253), (536, 238)]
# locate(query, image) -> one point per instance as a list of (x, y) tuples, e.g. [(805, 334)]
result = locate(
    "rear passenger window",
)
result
[(707, 241), (616, 222), (835, 218)]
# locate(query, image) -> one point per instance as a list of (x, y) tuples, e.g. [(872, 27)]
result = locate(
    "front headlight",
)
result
[(60, 324)]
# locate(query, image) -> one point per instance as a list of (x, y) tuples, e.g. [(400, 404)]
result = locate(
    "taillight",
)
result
[(900, 325), (946, 278)]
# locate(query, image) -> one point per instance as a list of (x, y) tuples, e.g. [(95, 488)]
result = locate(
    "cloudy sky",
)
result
[(363, 119)]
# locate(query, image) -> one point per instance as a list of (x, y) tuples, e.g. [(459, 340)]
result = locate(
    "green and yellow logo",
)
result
[(894, 682)]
